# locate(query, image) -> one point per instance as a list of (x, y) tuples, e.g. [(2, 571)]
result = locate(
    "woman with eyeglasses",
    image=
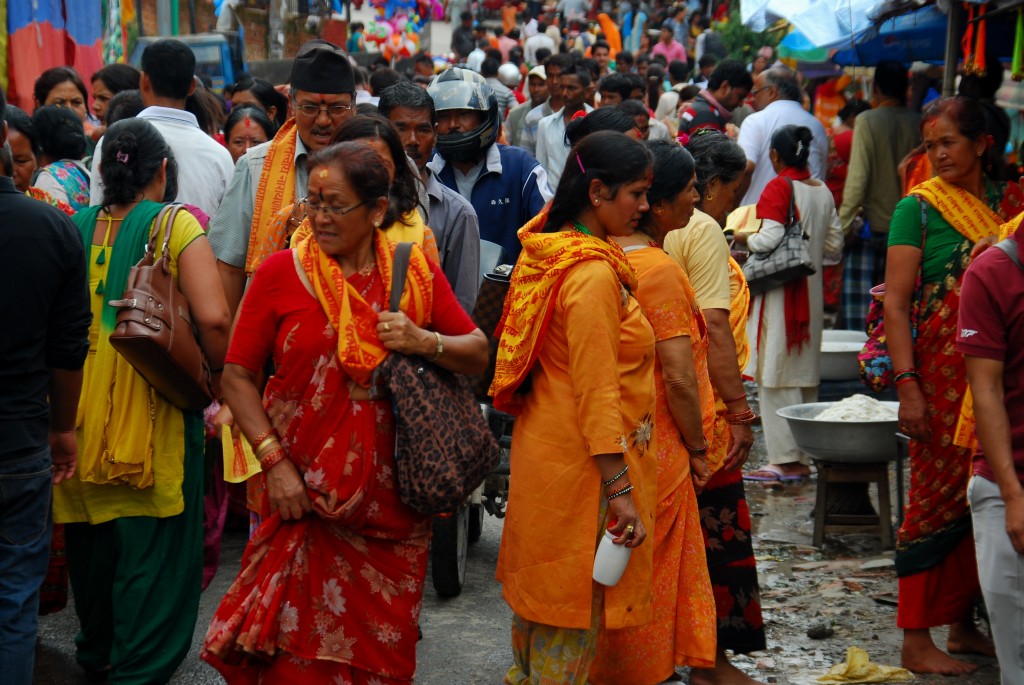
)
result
[(331, 582)]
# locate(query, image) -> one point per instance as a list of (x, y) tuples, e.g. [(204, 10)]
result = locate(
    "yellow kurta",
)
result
[(77, 501), (592, 393)]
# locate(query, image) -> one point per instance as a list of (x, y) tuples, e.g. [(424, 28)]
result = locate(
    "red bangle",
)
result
[(906, 379), (262, 437), (273, 459), (739, 397), (909, 369)]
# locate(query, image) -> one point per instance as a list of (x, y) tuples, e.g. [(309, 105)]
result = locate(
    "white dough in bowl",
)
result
[(859, 408)]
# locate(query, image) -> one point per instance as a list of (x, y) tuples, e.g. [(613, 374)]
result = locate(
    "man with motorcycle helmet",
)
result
[(506, 185)]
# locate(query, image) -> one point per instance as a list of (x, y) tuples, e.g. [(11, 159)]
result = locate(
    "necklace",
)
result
[(581, 228)]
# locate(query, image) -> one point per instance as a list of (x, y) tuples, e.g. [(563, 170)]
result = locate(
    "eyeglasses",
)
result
[(311, 209), (73, 103), (333, 111), (755, 91)]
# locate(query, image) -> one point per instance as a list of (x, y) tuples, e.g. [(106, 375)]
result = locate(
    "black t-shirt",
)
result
[(44, 311), (700, 114)]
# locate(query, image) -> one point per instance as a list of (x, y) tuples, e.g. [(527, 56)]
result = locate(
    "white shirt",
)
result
[(204, 165), (552, 148), (756, 137), (530, 47)]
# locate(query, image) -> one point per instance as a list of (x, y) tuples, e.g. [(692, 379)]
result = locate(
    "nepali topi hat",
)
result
[(322, 67)]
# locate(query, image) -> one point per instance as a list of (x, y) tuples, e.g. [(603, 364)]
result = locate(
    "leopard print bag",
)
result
[(444, 448)]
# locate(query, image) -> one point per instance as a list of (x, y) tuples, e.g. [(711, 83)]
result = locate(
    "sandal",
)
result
[(770, 473)]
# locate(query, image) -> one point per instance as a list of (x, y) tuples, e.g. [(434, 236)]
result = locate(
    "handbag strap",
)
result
[(167, 216), (399, 269), (791, 219)]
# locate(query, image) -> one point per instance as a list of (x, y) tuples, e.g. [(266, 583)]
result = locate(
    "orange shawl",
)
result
[(360, 351), (276, 187), (545, 259)]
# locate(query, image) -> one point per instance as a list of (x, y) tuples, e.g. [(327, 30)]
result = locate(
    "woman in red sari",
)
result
[(331, 582), (932, 232)]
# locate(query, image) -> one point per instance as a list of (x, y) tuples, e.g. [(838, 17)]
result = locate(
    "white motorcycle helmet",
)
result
[(509, 75)]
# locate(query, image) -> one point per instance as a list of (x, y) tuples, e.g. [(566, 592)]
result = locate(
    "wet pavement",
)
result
[(845, 593)]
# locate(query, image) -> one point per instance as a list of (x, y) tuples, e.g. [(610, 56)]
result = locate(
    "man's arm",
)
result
[(229, 232), (65, 390), (993, 428), (857, 175)]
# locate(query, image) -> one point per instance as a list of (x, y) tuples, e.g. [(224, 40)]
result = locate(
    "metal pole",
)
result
[(953, 31), (192, 16), (175, 17), (163, 17)]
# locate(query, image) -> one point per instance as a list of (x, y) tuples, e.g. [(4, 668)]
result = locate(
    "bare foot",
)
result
[(920, 655), (723, 673), (965, 638)]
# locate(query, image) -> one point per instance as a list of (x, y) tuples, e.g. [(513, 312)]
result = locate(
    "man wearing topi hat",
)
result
[(273, 175)]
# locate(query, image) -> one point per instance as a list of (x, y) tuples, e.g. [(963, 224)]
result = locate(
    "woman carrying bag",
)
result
[(134, 508), (785, 323)]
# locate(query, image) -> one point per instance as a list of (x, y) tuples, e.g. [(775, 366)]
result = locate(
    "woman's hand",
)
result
[(397, 332), (287, 491), (224, 417), (983, 245), (913, 412), (740, 238), (741, 439), (700, 473), (623, 512)]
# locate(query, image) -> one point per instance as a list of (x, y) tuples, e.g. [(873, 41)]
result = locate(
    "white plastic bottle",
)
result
[(610, 560)]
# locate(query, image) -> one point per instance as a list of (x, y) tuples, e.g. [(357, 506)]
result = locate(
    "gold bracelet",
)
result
[(440, 348), (268, 446)]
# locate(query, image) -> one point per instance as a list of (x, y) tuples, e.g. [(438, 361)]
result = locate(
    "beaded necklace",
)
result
[(581, 228)]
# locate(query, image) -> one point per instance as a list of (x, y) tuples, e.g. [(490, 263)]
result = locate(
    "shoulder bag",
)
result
[(876, 369), (443, 446), (789, 260), (154, 330), (490, 304)]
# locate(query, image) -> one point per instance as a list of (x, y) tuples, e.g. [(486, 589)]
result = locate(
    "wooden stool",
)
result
[(830, 472)]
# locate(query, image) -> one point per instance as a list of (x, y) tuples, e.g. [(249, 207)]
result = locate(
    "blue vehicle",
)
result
[(219, 56)]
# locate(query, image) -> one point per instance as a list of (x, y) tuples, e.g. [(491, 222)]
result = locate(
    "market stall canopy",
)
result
[(824, 23)]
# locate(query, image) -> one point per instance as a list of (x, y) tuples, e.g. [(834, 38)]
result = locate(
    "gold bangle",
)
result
[(440, 347), (267, 447)]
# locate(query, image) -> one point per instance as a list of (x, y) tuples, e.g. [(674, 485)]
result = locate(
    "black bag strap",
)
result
[(792, 203), (399, 269), (1010, 247)]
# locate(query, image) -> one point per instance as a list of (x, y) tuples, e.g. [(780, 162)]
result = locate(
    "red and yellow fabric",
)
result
[(339, 590), (682, 632)]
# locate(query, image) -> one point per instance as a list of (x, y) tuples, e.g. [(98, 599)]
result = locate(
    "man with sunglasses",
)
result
[(273, 175)]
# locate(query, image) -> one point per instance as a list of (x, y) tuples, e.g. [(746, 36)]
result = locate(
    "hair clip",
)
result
[(580, 162), (122, 157), (683, 138), (799, 147), (578, 115)]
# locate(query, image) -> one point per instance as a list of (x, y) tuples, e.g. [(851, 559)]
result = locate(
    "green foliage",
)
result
[(741, 42)]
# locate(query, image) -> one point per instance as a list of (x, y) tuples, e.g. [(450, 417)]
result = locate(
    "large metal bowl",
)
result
[(848, 442), (839, 350)]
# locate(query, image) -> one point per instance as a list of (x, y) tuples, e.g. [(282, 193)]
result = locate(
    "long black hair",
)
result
[(793, 145), (59, 133), (603, 119), (404, 196), (609, 156), (264, 92), (673, 170)]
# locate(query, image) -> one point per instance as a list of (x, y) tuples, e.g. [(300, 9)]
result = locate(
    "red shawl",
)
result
[(774, 204)]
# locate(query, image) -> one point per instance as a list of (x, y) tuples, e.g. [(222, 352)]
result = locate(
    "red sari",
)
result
[(335, 596)]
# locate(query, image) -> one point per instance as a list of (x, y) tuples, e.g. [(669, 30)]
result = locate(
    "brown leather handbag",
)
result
[(154, 330)]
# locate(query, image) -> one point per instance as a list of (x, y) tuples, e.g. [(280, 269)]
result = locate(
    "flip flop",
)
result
[(774, 473)]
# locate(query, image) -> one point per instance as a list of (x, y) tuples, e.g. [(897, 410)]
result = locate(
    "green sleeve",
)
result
[(905, 227)]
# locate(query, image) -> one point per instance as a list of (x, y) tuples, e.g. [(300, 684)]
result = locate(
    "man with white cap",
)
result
[(537, 82), (273, 175)]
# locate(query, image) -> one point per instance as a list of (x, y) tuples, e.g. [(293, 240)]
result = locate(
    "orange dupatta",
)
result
[(277, 180), (545, 259), (360, 350)]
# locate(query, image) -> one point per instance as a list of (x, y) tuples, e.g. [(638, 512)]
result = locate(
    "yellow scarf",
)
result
[(739, 309), (360, 351), (276, 187), (969, 215), (545, 259)]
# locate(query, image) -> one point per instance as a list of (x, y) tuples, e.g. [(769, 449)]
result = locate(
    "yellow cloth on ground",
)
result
[(858, 669), (110, 423)]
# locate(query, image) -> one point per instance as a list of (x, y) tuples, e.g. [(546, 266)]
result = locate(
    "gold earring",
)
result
[(709, 197)]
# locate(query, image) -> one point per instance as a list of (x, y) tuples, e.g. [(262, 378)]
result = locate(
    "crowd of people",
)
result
[(626, 165)]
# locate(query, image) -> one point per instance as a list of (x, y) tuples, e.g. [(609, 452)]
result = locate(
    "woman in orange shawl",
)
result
[(331, 582), (932, 232), (575, 364), (683, 630)]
